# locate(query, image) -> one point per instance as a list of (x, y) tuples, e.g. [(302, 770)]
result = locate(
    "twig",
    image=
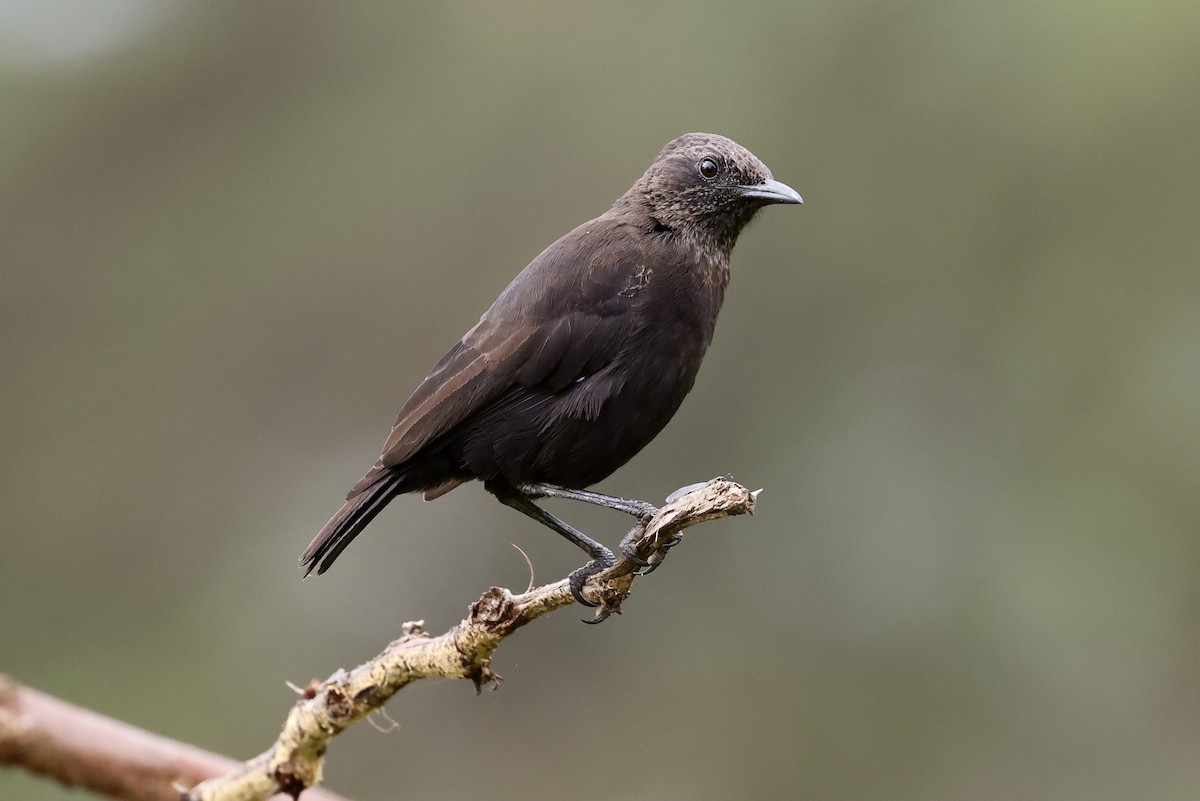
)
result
[(78, 747), (296, 760)]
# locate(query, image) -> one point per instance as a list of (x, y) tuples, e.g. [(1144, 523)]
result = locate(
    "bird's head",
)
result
[(707, 187)]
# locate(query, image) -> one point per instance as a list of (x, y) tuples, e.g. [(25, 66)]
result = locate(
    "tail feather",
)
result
[(359, 510)]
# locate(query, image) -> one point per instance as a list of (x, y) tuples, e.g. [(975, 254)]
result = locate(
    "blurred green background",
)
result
[(967, 372)]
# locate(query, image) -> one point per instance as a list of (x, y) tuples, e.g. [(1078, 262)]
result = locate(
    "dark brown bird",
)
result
[(582, 359)]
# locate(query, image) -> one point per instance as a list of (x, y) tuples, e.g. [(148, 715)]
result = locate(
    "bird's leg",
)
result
[(642, 510), (602, 557)]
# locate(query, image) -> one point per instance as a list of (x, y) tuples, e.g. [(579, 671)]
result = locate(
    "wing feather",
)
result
[(562, 319)]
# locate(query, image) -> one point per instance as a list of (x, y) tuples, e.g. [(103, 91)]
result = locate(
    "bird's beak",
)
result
[(772, 192)]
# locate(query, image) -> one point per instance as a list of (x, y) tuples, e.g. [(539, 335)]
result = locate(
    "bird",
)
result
[(582, 360)]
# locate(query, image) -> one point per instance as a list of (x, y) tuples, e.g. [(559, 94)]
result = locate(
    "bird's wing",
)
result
[(563, 318)]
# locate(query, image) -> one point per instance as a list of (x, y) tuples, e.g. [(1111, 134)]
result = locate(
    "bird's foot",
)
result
[(578, 577), (643, 511), (630, 552), (659, 555)]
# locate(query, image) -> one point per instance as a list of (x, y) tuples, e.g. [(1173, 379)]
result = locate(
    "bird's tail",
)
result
[(364, 502)]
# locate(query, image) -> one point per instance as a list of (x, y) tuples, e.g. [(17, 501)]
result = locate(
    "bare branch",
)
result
[(296, 760), (78, 747)]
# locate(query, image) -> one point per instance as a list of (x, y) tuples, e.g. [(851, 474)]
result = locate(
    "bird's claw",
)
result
[(579, 576), (604, 560), (659, 555), (630, 553), (671, 543)]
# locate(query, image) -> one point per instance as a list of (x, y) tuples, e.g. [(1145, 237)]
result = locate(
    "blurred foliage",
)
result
[(967, 373)]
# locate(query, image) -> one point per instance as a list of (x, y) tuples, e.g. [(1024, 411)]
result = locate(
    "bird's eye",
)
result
[(708, 169)]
